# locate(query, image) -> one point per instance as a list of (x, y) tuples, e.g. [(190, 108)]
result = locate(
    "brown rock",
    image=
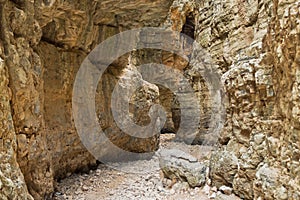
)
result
[(254, 45)]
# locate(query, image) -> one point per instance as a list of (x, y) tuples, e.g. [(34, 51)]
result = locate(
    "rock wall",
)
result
[(256, 46), (12, 183), (253, 44), (43, 44)]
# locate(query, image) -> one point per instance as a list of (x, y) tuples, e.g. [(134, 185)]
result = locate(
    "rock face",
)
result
[(42, 45), (12, 183), (254, 45)]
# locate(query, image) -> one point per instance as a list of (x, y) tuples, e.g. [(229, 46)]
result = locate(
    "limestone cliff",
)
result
[(253, 44), (42, 46)]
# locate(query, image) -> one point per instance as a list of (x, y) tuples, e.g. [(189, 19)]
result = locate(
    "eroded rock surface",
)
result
[(256, 45), (253, 44), (42, 46)]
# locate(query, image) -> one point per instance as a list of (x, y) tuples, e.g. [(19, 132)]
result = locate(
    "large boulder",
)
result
[(177, 164)]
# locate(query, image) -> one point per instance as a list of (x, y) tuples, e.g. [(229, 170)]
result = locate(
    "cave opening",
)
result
[(188, 27)]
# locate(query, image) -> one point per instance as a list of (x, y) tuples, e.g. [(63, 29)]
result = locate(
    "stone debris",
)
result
[(110, 184), (220, 196), (124, 186)]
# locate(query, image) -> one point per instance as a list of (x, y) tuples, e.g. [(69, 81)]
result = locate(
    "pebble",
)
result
[(172, 191), (226, 190), (213, 195), (214, 189), (85, 188), (77, 192), (206, 189)]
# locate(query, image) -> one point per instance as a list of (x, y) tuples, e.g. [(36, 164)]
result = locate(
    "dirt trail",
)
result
[(147, 183)]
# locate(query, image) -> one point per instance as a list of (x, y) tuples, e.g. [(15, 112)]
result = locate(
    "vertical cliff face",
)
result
[(254, 45), (12, 184), (43, 44), (22, 100)]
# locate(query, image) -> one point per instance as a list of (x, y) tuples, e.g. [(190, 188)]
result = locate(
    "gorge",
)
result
[(252, 45)]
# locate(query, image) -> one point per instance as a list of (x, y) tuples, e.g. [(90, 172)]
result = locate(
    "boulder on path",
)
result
[(177, 164)]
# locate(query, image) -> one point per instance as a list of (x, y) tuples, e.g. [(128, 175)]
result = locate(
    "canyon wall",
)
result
[(254, 45), (43, 44)]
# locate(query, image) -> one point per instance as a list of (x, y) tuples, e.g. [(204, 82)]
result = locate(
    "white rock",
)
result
[(85, 188), (213, 195), (172, 191), (226, 190), (214, 189), (206, 189)]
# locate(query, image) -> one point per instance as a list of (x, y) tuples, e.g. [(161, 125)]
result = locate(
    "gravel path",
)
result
[(147, 183)]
